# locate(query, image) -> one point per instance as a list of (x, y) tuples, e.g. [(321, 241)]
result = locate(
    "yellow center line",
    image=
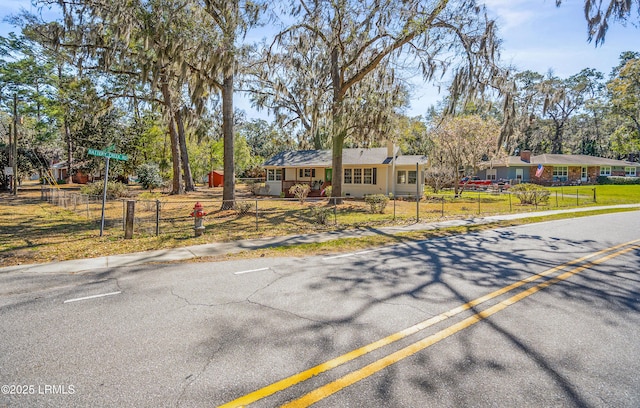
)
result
[(355, 376), (335, 362)]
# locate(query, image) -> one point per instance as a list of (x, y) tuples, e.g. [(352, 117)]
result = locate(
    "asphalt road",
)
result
[(542, 315)]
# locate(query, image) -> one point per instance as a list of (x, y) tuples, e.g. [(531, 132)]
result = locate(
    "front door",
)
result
[(583, 174), (327, 175)]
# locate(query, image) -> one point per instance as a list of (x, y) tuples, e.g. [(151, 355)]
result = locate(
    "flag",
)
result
[(539, 171)]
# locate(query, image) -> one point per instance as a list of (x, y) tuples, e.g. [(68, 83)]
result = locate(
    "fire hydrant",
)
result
[(198, 219)]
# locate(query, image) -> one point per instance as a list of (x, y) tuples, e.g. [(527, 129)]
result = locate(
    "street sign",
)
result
[(102, 153), (108, 155)]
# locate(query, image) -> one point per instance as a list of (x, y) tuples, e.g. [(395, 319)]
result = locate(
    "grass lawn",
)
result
[(34, 231)]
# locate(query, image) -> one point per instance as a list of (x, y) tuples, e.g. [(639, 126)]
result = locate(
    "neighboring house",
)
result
[(549, 169), (60, 171), (365, 172)]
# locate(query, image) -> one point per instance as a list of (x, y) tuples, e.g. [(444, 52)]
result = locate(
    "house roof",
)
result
[(561, 160), (350, 157)]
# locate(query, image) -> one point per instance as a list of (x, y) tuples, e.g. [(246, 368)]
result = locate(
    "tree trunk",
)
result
[(184, 155), (173, 134), (338, 131), (228, 191), (67, 137), (556, 143)]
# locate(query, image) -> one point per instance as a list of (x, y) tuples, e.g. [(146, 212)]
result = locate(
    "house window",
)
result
[(347, 176), (368, 176), (412, 177), (605, 171), (360, 176), (401, 177), (492, 174), (630, 171), (561, 172), (306, 173), (357, 176), (274, 174), (519, 173)]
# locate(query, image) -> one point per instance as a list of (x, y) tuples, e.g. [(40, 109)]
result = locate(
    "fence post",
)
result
[(257, 214), (510, 205), (394, 207), (86, 200), (442, 206), (478, 203), (535, 198), (594, 195), (335, 212), (557, 205), (157, 218), (131, 207), (124, 219), (577, 198)]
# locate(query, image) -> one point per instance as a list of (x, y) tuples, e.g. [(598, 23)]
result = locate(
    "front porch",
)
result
[(317, 187)]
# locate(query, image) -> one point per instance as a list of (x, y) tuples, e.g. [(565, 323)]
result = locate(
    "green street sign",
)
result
[(102, 153)]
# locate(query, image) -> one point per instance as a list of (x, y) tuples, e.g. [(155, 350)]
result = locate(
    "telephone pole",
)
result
[(15, 144)]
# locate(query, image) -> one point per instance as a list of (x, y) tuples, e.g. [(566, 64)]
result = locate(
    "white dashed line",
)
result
[(92, 297), (251, 270)]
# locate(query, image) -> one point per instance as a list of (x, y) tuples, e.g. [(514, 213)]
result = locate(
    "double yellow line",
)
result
[(357, 375)]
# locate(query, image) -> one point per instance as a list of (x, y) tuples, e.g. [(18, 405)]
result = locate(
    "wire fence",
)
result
[(289, 216)]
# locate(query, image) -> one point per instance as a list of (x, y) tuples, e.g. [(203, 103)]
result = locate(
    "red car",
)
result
[(475, 183)]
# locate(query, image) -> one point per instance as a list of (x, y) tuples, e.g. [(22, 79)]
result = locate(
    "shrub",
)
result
[(377, 202), (242, 207), (320, 215), (618, 180), (114, 189), (149, 176), (259, 188), (300, 191), (327, 191), (529, 193)]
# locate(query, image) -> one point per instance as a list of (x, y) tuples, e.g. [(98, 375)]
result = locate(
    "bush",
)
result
[(320, 215), (618, 180), (327, 191), (243, 208), (114, 189), (149, 176), (529, 193), (377, 202), (300, 191), (259, 188)]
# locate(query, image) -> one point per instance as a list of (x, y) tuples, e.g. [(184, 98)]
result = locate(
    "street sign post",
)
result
[(107, 155)]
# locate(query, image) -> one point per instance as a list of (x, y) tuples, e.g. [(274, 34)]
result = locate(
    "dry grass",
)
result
[(34, 231)]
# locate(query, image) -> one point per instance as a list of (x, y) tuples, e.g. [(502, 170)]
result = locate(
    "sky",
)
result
[(537, 36)]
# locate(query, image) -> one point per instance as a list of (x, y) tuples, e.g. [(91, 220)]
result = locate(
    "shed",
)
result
[(216, 178)]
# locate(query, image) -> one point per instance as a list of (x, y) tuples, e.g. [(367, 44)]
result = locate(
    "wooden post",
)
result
[(157, 218), (131, 206)]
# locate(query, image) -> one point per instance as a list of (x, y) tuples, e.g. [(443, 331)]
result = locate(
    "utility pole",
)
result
[(15, 144)]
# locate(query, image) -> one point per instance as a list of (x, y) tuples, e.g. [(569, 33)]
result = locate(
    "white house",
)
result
[(366, 171)]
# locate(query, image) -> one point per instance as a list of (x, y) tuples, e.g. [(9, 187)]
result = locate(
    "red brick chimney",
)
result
[(525, 156)]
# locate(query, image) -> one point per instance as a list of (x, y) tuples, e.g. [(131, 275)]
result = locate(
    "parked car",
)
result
[(474, 183)]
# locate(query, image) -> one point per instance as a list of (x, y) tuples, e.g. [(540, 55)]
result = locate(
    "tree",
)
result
[(624, 89), (359, 36), (599, 15), (462, 143)]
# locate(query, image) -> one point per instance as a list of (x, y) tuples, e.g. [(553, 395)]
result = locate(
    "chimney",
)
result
[(525, 156), (390, 148)]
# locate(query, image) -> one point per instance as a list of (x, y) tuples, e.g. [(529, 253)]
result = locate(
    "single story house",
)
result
[(365, 172), (60, 171), (550, 169)]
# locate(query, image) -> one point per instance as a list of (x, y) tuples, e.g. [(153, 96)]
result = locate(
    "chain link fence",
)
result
[(279, 216)]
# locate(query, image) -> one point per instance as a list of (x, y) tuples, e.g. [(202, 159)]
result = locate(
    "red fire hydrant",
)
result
[(198, 219)]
